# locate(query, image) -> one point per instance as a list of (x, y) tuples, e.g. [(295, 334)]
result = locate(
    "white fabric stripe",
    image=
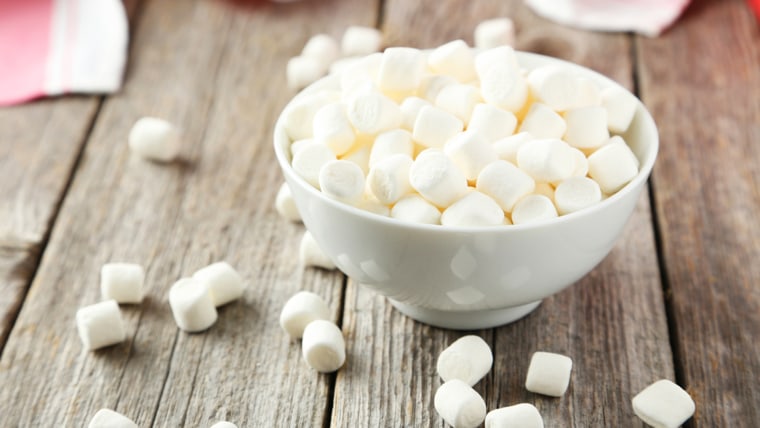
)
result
[(54, 74)]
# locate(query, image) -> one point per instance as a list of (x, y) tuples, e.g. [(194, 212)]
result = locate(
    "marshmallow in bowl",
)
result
[(388, 179), (454, 59), (342, 180), (494, 32), (470, 152), (434, 176), (416, 209), (358, 40), (473, 209)]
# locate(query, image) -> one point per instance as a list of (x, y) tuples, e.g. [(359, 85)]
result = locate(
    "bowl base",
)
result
[(466, 320)]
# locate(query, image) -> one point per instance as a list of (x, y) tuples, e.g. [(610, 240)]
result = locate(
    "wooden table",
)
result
[(677, 298)]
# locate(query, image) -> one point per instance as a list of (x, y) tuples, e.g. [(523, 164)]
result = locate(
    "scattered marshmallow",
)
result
[(410, 108), (533, 208), (301, 309), (286, 205), (543, 122), (473, 209), (548, 374), (492, 33), (470, 152), (501, 82), (359, 40), (322, 47), (390, 143), (434, 176), (224, 283), (468, 359), (415, 209), (323, 346), (663, 404), (122, 282), (309, 160), (459, 405), (576, 193), (621, 107), (521, 415), (154, 139), (492, 122), (547, 160), (586, 127), (388, 180), (311, 254), (507, 147), (342, 180), (332, 128), (434, 126), (401, 69), (192, 305), (100, 325), (613, 165), (107, 418), (224, 424), (302, 71), (459, 100), (454, 59), (373, 113), (505, 183)]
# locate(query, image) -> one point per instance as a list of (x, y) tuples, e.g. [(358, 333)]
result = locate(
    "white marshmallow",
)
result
[(370, 204), (301, 309), (589, 93), (323, 48), (324, 348), (505, 183), (122, 282), (401, 69), (548, 374), (359, 40), (342, 180), (154, 139), (361, 73), (295, 146), (543, 122), (286, 205), (342, 64), (576, 193), (507, 147), (468, 359), (459, 405), (533, 208), (558, 87), (621, 107), (435, 126), (224, 283), (470, 152), (298, 118), (434, 176), (359, 155), (454, 59), (501, 82), (107, 418), (309, 160), (494, 32), (388, 180), (415, 209), (332, 128), (459, 100), (311, 254), (410, 108), (224, 424), (581, 163), (663, 404), (373, 113), (432, 84), (521, 415), (192, 305), (613, 165), (586, 127), (547, 160), (100, 325), (473, 209), (492, 122), (302, 71), (544, 189), (389, 143)]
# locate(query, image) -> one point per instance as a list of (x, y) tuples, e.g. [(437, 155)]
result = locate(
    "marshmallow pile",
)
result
[(460, 138)]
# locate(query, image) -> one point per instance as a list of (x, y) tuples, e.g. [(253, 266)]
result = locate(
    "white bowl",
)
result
[(469, 277)]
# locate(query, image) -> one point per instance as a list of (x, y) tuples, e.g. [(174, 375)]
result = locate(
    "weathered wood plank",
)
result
[(612, 322), (702, 82)]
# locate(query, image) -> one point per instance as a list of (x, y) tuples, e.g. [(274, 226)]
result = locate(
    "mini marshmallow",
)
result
[(286, 205), (505, 183), (295, 146), (311, 254), (492, 122), (586, 127), (224, 424), (459, 100), (342, 64), (415, 209), (410, 108), (533, 208), (122, 282), (459, 405), (107, 418), (663, 404), (548, 374), (332, 128), (454, 59), (154, 139), (342, 180), (501, 82), (359, 155), (589, 93), (468, 359), (581, 163), (373, 113), (370, 204), (302, 71), (309, 160), (298, 119), (387, 144), (192, 306), (494, 32), (324, 348), (434, 176), (401, 69), (558, 87), (547, 160), (613, 165), (576, 193), (224, 283), (388, 180), (470, 152), (621, 107), (432, 84), (361, 73), (521, 415), (544, 189), (435, 126), (360, 41), (507, 147), (473, 209), (543, 122), (322, 47), (100, 325), (301, 309)]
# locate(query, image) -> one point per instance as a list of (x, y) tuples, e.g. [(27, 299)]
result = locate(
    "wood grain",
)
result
[(702, 82)]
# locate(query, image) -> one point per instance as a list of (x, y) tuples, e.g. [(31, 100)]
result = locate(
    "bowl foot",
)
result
[(466, 320)]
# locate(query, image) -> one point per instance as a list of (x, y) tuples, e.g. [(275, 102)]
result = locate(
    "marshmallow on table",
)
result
[(576, 193), (224, 283), (494, 32), (301, 71), (389, 143), (501, 82), (434, 126), (455, 59), (663, 404), (505, 183), (224, 424), (459, 100), (474, 209), (373, 113), (359, 40), (309, 160), (507, 147), (543, 122), (286, 205), (415, 209), (586, 127), (533, 208), (107, 418), (468, 359), (122, 282), (100, 325), (192, 306), (311, 254), (388, 179), (434, 176), (621, 107), (432, 84), (470, 152), (154, 139), (401, 69), (342, 180), (322, 47), (410, 108), (547, 160), (492, 122), (613, 165), (332, 128), (521, 415), (459, 405), (301, 309), (548, 374), (323, 346)]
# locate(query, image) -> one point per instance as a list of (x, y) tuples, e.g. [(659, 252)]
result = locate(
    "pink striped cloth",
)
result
[(52, 47)]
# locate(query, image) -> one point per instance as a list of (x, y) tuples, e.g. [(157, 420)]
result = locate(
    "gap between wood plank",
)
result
[(334, 376)]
